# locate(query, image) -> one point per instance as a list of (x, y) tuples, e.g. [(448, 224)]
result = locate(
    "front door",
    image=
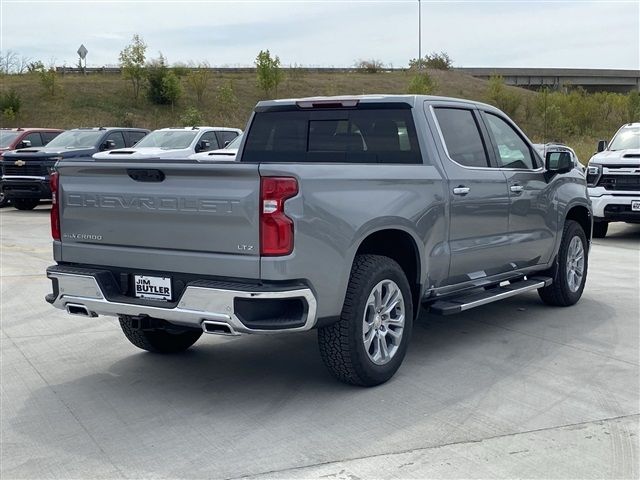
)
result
[(479, 206), (532, 218)]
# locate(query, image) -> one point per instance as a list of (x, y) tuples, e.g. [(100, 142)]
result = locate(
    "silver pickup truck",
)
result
[(341, 214)]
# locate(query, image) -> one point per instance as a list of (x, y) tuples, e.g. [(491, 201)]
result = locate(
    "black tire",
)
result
[(600, 229), (25, 203), (341, 344), (3, 200), (559, 293), (157, 340)]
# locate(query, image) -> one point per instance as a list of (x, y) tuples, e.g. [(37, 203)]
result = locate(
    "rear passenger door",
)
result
[(225, 138), (133, 136), (48, 136), (532, 220), (479, 200)]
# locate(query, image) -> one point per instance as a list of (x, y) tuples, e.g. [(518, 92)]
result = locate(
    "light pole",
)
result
[(419, 35)]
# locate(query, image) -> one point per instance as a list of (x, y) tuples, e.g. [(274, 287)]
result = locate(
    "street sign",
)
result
[(82, 51)]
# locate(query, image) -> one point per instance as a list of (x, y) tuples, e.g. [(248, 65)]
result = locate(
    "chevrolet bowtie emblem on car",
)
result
[(20, 163)]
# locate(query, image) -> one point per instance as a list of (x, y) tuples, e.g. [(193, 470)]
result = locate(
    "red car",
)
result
[(15, 138)]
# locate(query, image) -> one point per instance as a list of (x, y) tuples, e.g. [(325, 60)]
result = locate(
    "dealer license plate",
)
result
[(635, 205), (152, 288)]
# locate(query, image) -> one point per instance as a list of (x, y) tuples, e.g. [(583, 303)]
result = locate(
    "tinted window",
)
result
[(48, 136), (211, 138), (135, 137), (34, 138), (225, 137), (462, 137), (513, 152), (351, 136), (117, 138)]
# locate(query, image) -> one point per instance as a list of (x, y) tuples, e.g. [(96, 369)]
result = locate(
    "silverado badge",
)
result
[(20, 163)]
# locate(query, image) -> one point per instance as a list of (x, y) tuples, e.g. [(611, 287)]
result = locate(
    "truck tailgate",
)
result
[(163, 216)]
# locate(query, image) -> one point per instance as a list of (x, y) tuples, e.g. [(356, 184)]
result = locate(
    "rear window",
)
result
[(326, 136)]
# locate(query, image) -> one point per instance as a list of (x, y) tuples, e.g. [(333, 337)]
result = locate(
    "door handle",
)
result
[(461, 190), (516, 188)]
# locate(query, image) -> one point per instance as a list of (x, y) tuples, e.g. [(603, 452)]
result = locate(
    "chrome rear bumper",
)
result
[(198, 306)]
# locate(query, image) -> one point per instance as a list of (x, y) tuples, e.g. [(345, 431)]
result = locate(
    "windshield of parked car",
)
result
[(235, 143), (6, 138), (168, 139), (628, 137), (76, 139)]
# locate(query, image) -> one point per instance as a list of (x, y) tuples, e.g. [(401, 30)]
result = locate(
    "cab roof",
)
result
[(352, 100), (31, 129), (198, 128)]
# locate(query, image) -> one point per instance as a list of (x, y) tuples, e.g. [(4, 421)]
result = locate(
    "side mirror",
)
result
[(602, 145), (108, 145), (227, 142), (558, 162), (24, 144), (203, 146)]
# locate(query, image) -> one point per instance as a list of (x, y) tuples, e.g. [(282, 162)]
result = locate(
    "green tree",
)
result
[(198, 80), (226, 99), (49, 79), (171, 88), (191, 118), (10, 101), (370, 66), (268, 72), (438, 61), (132, 63), (500, 96), (163, 86), (422, 84), (633, 107)]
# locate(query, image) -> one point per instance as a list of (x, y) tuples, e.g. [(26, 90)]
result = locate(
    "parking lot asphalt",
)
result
[(512, 389)]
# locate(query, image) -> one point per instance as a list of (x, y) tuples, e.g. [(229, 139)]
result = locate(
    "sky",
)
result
[(515, 33)]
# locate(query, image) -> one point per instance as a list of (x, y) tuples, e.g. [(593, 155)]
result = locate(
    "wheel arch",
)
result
[(402, 247), (582, 215)]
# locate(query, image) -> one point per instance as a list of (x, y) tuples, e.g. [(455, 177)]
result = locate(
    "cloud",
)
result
[(482, 33)]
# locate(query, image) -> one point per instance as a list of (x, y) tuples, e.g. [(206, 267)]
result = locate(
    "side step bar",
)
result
[(476, 299)]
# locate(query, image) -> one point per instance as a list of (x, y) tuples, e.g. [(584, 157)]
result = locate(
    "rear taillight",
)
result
[(276, 229), (55, 207)]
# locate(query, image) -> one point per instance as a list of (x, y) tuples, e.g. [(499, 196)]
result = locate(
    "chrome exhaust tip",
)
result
[(218, 328), (77, 309)]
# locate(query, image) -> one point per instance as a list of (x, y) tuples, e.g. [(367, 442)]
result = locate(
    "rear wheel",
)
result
[(569, 271), (367, 345), (157, 340), (25, 203), (600, 229)]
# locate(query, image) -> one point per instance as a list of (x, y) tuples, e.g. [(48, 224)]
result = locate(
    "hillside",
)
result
[(106, 99)]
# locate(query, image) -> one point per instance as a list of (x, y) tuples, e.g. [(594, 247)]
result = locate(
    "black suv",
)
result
[(25, 172)]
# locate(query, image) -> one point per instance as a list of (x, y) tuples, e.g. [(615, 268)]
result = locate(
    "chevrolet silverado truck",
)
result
[(15, 138), (25, 172), (341, 214), (174, 143), (613, 178)]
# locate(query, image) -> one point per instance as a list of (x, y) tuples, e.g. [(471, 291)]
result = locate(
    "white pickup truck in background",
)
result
[(613, 178), (174, 143)]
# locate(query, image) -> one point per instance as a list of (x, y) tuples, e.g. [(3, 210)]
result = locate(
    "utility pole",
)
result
[(419, 35)]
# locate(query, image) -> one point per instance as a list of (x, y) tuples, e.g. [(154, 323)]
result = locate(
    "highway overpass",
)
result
[(592, 80)]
